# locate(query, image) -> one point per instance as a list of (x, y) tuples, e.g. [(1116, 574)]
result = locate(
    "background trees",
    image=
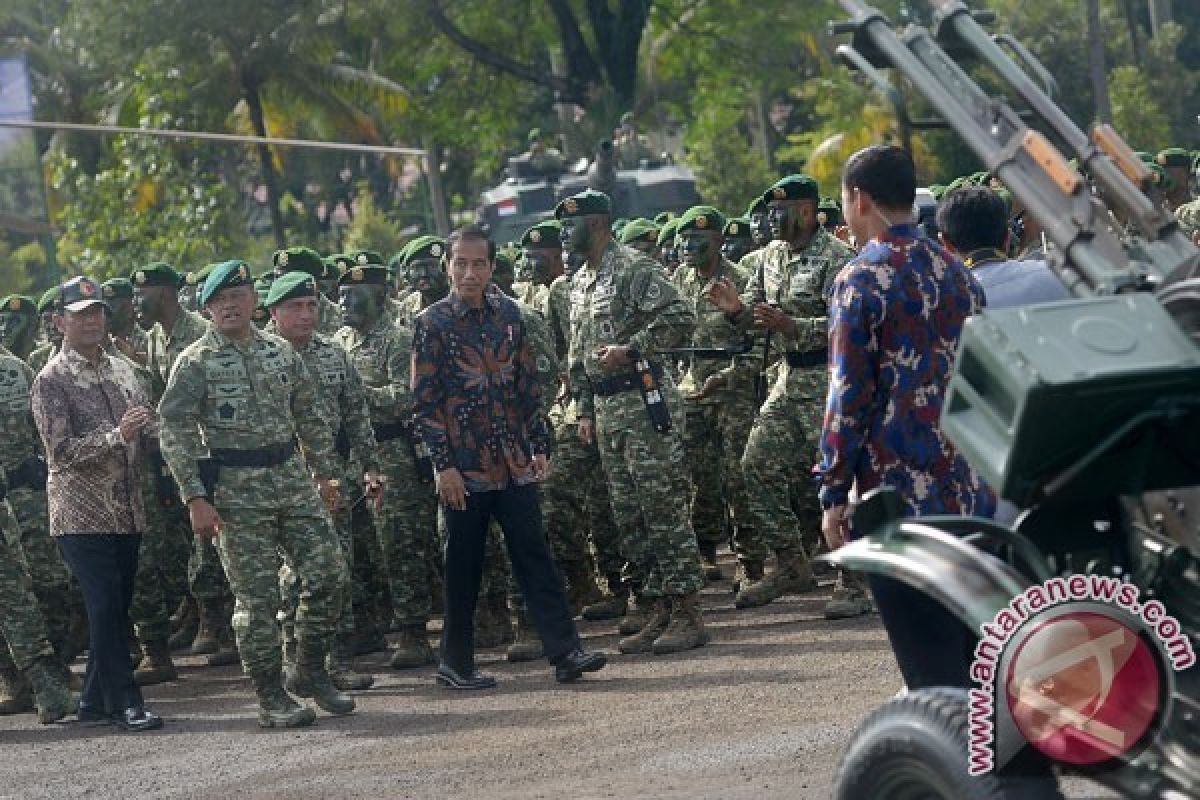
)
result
[(741, 92)]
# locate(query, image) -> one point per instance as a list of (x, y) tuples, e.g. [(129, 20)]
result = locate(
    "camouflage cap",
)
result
[(293, 284), (424, 247), (543, 236), (365, 275), (587, 202), (19, 303), (640, 229), (79, 293), (156, 273), (666, 234), (736, 228), (1173, 157), (116, 287), (298, 259), (48, 300), (225, 275), (701, 218), (793, 187)]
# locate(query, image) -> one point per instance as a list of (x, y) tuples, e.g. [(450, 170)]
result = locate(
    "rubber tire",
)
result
[(925, 732)]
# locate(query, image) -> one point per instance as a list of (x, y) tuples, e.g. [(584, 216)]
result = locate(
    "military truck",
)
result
[(529, 195), (1083, 413)]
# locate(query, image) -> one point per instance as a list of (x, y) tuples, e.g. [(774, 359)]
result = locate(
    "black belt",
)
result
[(813, 358), (273, 456), (341, 442), (626, 382), (393, 430)]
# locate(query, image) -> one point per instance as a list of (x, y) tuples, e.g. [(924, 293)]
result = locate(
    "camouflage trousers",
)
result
[(714, 441), (162, 564), (371, 596), (777, 465), (407, 533), (648, 484), (293, 527), (22, 628), (58, 598), (575, 499)]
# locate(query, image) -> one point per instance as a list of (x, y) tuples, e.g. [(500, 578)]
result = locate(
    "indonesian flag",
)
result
[(506, 207)]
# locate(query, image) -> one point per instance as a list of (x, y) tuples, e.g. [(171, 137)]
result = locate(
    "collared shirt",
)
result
[(896, 314), (1008, 283), (94, 482), (475, 382)]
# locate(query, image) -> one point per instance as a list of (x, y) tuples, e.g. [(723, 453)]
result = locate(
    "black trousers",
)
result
[(932, 646), (105, 566), (518, 510)]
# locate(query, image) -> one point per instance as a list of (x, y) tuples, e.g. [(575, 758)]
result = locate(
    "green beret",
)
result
[(793, 187), (197, 278), (589, 201), (116, 287), (666, 234), (701, 218), (758, 206), (543, 236), (366, 275), (292, 284), (424, 247), (363, 258), (1145, 156), (225, 275), (1173, 157), (298, 259), (393, 266), (981, 178), (639, 229), (662, 218), (156, 273), (736, 228), (617, 225), (48, 300), (957, 183), (19, 302)]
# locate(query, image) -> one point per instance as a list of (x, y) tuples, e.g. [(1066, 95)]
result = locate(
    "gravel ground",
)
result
[(762, 712)]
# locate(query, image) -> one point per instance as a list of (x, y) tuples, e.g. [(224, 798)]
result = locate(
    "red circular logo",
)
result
[(1083, 688)]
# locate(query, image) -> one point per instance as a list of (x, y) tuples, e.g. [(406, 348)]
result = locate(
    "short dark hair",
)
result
[(470, 233), (886, 173), (973, 217)]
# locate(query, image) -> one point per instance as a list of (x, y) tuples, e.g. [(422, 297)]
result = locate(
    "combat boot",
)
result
[(792, 575), (747, 573), (209, 624), (636, 614), (849, 598), (412, 648), (686, 629), (658, 616), (528, 644), (156, 665), (312, 679), (708, 557), (610, 607), (54, 700), (276, 708), (341, 668), (227, 650), (15, 697)]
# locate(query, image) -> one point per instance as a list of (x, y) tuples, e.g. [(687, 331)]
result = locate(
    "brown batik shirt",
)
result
[(94, 483)]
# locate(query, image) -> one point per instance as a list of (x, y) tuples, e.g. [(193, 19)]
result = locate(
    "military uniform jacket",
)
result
[(20, 439), (558, 314), (163, 348), (408, 308), (625, 300), (799, 285), (383, 357), (714, 329), (343, 396), (329, 316), (243, 396)]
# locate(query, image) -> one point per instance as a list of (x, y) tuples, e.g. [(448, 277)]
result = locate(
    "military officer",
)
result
[(424, 268), (736, 239), (308, 261), (237, 402)]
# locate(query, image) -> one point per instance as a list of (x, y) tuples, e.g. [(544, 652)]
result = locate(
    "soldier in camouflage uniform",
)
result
[(27, 659), (42, 355), (381, 351), (640, 234), (719, 396), (309, 261), (787, 296), (623, 311), (237, 401), (127, 336), (293, 304), (22, 463), (668, 253), (18, 325), (172, 329), (736, 239), (423, 267)]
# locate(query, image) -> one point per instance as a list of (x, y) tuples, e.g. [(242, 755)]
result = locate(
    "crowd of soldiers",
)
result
[(684, 362)]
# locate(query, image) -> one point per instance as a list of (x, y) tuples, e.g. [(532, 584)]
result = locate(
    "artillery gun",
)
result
[(1084, 413)]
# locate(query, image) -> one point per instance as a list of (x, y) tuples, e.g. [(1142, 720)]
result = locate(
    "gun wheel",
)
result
[(915, 748)]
